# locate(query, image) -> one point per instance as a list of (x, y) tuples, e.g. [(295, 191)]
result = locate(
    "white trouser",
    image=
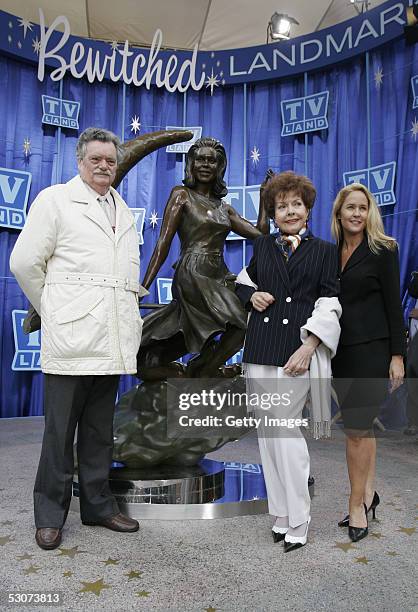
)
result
[(284, 452)]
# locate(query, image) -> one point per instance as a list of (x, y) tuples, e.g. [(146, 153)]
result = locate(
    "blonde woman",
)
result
[(372, 342)]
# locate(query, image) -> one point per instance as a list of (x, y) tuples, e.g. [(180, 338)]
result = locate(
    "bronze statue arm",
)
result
[(241, 226), (171, 220), (136, 149)]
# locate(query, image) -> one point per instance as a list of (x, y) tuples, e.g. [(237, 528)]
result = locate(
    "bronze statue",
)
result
[(204, 301)]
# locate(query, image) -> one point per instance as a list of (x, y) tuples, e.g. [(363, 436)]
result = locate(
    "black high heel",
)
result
[(277, 537), (358, 533), (375, 502)]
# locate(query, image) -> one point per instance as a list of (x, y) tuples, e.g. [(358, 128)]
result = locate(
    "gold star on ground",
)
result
[(377, 535), (94, 587), (392, 553), (67, 574), (132, 574), (111, 561), (5, 540), (24, 557), (33, 569), (142, 593), (70, 552), (362, 560), (210, 609), (390, 503), (408, 530), (344, 546)]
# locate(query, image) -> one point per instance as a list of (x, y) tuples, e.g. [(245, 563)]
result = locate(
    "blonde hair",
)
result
[(375, 230)]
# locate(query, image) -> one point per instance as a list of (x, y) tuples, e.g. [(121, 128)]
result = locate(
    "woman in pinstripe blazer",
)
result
[(291, 270)]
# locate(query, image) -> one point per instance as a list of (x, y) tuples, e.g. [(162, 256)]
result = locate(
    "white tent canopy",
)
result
[(211, 24)]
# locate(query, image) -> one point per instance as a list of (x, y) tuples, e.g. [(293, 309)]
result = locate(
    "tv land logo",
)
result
[(14, 195), (139, 216), (414, 85), (59, 112), (183, 147), (27, 346), (246, 202), (307, 114), (164, 290), (380, 180), (251, 468)]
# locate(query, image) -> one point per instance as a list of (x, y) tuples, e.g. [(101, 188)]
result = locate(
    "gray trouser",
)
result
[(86, 401)]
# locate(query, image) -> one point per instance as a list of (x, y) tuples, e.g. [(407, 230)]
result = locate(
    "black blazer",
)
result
[(370, 299), (310, 273)]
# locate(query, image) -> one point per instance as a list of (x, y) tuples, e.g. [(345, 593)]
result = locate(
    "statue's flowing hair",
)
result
[(219, 189), (375, 230)]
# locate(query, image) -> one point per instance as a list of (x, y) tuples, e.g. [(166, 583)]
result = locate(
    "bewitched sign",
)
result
[(58, 53)]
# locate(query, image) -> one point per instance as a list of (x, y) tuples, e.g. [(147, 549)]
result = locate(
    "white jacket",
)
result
[(83, 279)]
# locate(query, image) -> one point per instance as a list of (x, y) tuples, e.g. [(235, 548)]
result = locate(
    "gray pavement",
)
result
[(223, 564)]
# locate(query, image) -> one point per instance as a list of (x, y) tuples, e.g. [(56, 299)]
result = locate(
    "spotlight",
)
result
[(279, 26), (411, 30), (361, 5)]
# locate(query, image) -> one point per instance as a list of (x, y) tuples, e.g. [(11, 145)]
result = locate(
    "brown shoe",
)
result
[(118, 522), (48, 538)]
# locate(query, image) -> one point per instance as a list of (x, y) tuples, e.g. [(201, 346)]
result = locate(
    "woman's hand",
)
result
[(261, 300), (300, 361), (396, 372)]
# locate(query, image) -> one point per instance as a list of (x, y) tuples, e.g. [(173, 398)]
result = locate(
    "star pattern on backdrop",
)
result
[(345, 546), (378, 77), (36, 44), (70, 552), (114, 44), (255, 155), (26, 25), (135, 124), (26, 147), (153, 219), (212, 81), (94, 587), (414, 129)]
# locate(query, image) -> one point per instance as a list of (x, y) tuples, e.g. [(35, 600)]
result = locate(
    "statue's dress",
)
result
[(204, 299)]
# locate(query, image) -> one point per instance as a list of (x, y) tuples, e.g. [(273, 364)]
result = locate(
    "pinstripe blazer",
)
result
[(311, 272)]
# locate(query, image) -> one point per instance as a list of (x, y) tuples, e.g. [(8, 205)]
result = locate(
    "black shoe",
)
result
[(277, 537), (358, 533), (375, 502), (295, 542)]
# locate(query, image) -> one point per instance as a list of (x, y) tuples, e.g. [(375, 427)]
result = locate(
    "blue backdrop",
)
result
[(370, 118)]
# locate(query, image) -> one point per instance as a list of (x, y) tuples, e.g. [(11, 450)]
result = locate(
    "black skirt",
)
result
[(361, 381)]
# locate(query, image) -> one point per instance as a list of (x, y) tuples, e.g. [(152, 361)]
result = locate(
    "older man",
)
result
[(77, 261)]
